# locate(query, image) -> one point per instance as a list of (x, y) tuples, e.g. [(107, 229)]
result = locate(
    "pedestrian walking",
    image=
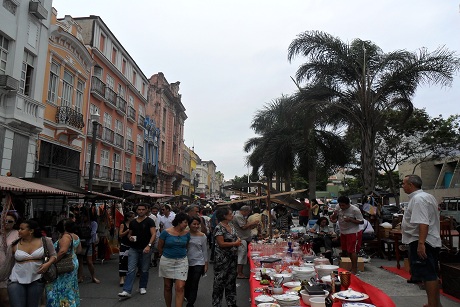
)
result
[(141, 234), (124, 246), (197, 255), (225, 261), (172, 247), (243, 230)]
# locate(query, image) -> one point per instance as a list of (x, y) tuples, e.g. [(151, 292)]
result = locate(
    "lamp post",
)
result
[(95, 121)]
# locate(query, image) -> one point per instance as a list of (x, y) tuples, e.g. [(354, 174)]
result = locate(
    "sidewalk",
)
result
[(402, 293)]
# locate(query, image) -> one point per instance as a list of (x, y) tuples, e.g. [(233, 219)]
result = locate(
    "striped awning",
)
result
[(19, 186)]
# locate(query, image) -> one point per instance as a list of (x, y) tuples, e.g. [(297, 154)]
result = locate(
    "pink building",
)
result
[(166, 108)]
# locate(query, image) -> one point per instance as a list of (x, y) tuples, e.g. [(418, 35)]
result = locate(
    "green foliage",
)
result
[(354, 85)]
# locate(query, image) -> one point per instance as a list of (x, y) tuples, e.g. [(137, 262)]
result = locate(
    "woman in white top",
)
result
[(197, 255), (26, 286)]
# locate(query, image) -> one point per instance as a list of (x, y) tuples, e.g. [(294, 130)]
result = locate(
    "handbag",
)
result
[(65, 265), (51, 274)]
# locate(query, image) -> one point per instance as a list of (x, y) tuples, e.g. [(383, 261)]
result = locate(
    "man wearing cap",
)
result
[(243, 229)]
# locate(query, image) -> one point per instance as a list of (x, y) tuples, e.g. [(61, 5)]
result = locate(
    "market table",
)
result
[(376, 296)]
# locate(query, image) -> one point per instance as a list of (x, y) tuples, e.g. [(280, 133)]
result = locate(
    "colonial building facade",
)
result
[(118, 93), (24, 27), (65, 93), (166, 108)]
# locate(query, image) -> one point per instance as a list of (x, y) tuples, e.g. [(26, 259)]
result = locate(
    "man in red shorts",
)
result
[(349, 218)]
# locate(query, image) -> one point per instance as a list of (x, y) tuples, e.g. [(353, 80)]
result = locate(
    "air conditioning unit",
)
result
[(38, 10), (8, 83)]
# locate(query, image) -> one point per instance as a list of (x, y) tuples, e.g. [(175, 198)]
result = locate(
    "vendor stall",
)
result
[(367, 293)]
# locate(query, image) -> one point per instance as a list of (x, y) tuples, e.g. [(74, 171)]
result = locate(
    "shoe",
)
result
[(142, 291), (125, 294)]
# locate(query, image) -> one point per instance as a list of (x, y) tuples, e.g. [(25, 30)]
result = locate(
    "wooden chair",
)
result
[(386, 245), (446, 235)]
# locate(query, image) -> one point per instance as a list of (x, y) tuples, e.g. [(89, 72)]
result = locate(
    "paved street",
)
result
[(105, 294)]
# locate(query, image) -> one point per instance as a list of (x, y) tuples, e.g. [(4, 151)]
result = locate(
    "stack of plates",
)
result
[(285, 300), (303, 273), (264, 299), (356, 304)]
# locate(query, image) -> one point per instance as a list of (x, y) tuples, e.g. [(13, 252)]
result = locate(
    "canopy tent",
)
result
[(282, 198), (65, 186), (20, 187), (133, 194)]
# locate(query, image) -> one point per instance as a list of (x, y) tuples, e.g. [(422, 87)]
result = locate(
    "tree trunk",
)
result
[(368, 158)]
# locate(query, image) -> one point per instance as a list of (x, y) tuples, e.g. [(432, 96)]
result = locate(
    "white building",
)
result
[(24, 30)]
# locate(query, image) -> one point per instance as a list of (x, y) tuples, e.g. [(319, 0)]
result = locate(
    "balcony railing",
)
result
[(140, 151), (106, 173), (119, 140), (22, 112), (131, 114), (174, 169), (96, 170), (148, 169), (128, 177), (110, 98), (138, 179), (68, 116), (97, 87), (117, 175), (140, 121), (130, 146), (121, 105), (108, 135)]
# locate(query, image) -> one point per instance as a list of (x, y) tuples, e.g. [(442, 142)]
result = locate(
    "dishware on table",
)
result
[(318, 302), (357, 304), (285, 300), (325, 269), (351, 295), (264, 299), (327, 279), (292, 284), (306, 297), (268, 305), (286, 276), (345, 279), (278, 290)]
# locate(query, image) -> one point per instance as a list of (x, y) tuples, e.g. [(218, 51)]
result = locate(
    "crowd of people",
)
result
[(182, 242)]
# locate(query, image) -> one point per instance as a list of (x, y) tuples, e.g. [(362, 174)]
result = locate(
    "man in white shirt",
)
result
[(421, 230), (167, 217), (154, 216)]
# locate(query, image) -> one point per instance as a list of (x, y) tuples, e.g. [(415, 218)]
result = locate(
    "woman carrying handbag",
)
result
[(64, 290)]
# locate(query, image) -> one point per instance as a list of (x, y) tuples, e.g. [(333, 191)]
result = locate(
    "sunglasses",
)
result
[(10, 222)]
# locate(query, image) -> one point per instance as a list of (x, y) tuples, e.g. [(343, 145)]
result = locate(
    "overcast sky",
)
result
[(231, 56)]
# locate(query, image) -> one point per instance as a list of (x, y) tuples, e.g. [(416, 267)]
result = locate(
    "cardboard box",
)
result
[(345, 263)]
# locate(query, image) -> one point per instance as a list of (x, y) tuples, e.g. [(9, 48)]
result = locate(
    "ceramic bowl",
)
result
[(326, 269), (286, 277), (306, 297), (318, 302)]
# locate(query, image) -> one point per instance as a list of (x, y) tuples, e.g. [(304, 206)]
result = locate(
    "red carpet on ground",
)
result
[(406, 275)]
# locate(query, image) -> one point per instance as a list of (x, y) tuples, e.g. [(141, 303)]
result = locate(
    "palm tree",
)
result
[(273, 152), (357, 83), (292, 138)]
